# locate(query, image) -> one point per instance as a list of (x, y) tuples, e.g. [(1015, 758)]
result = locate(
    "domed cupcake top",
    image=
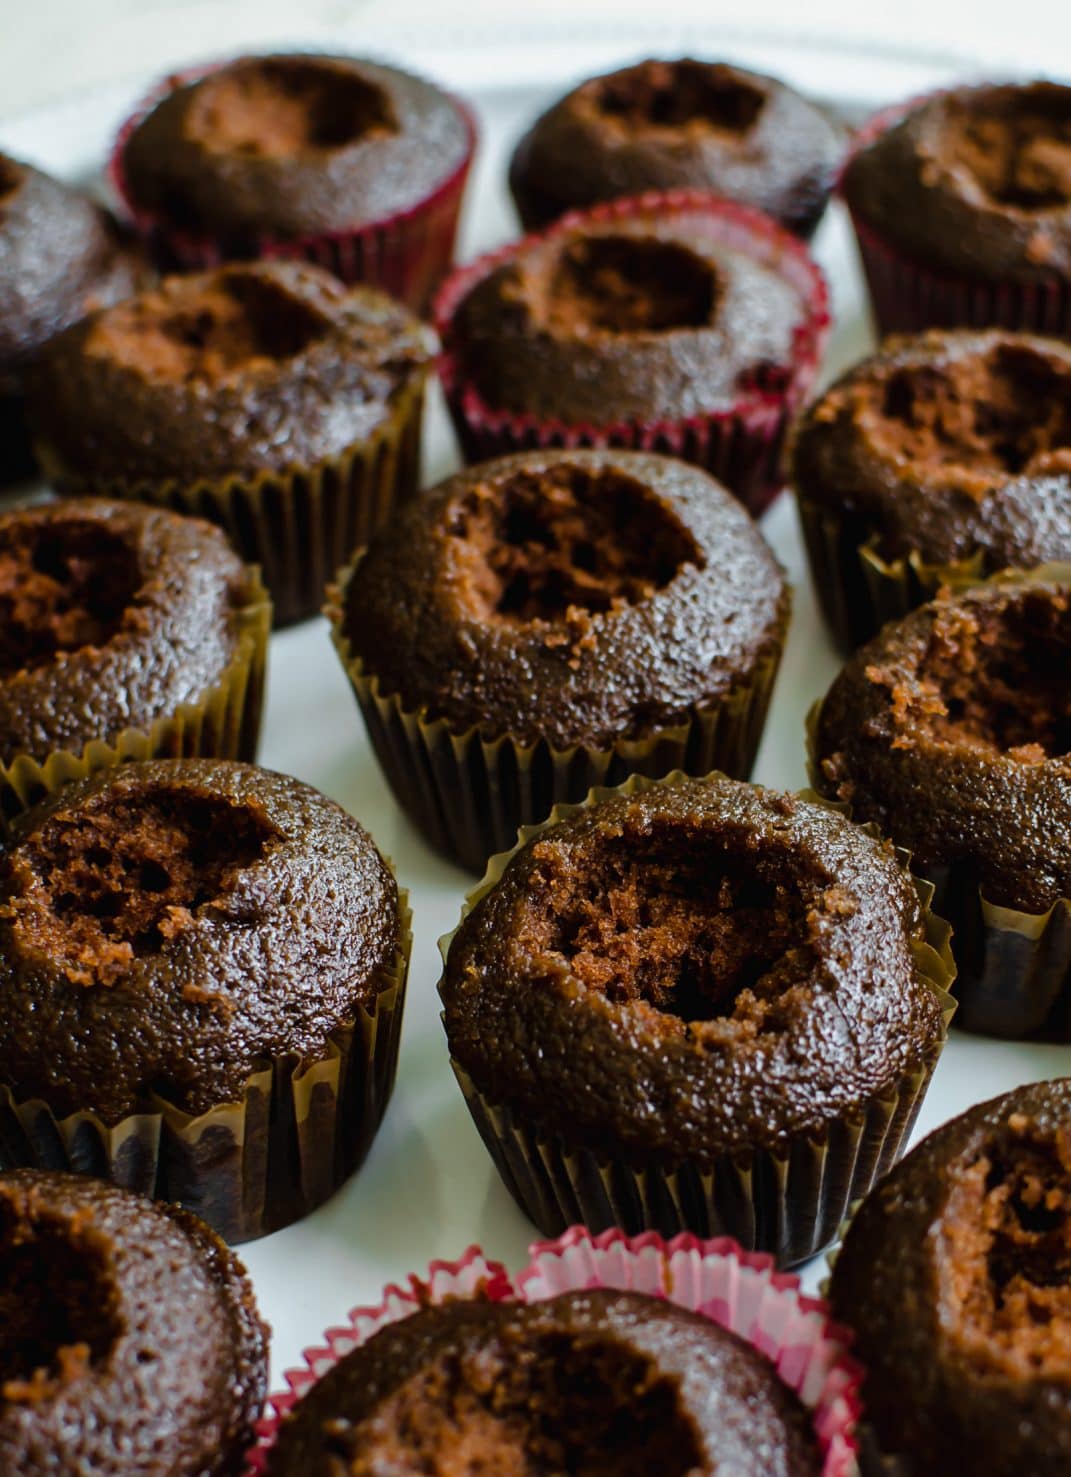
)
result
[(578, 596), (949, 443), (627, 1382), (168, 927), (129, 1338)]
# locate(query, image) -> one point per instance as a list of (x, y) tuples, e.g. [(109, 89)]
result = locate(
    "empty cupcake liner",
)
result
[(299, 523), (908, 296), (467, 792), (738, 1290), (1013, 968), (405, 254), (859, 590), (223, 723), (742, 444), (300, 1128), (787, 1201)]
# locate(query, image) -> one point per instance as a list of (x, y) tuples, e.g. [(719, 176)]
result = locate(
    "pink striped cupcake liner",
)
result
[(739, 1290), (909, 296), (405, 254), (742, 444)]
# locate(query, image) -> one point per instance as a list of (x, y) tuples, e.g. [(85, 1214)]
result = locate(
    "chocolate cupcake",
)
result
[(949, 731), (129, 1336), (961, 202), (555, 620), (269, 398), (605, 1379), (203, 969), (954, 1276), (126, 632), (696, 1005), (671, 322), (355, 166), (940, 459), (663, 125), (60, 257)]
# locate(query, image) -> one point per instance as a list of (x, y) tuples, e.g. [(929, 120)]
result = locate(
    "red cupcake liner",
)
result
[(909, 296), (405, 254), (740, 445), (741, 1291)]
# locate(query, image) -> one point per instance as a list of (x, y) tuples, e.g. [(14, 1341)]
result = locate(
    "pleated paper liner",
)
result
[(222, 723), (300, 523), (787, 1202), (738, 1290), (406, 253), (742, 444), (858, 590), (1013, 967), (468, 792), (300, 1128), (908, 296)]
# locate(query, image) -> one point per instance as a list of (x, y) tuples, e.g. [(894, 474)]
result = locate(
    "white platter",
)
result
[(428, 1188)]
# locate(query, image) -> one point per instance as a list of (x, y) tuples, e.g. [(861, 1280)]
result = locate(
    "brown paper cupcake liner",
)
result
[(1013, 968), (908, 296), (406, 253), (223, 723), (300, 1128), (741, 445), (468, 792), (787, 1201), (299, 524), (858, 590)]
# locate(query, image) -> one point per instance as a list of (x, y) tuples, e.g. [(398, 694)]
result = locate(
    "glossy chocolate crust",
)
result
[(265, 366), (813, 1003), (171, 926), (948, 444), (662, 125), (369, 141), (960, 769), (420, 607), (153, 1360), (60, 257), (598, 1380), (113, 616), (932, 1284), (975, 181), (694, 324)]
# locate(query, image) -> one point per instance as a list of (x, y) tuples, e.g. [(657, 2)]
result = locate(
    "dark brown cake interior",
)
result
[(1019, 152), (1005, 413), (280, 107), (57, 1305), (540, 544), (1006, 1252), (624, 284), (108, 884), (64, 585), (682, 95)]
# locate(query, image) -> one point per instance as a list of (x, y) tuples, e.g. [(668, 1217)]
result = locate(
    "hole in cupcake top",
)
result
[(1017, 146), (684, 94), (101, 886), (702, 928), (279, 108), (57, 1304), (993, 677), (12, 175), (64, 585), (625, 284), (544, 545), (527, 1407), (208, 330), (1005, 1248), (1001, 413)]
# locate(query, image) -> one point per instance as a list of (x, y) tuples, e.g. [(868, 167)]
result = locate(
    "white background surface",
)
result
[(428, 1189)]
